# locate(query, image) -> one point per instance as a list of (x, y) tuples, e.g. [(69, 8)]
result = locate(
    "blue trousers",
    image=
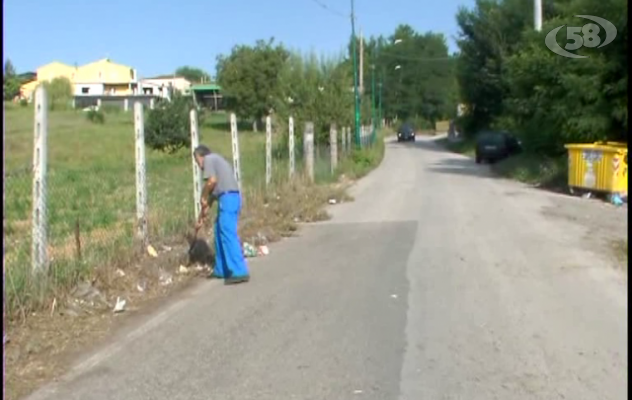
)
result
[(229, 256)]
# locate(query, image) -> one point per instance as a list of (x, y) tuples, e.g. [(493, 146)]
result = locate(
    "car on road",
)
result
[(406, 133), (495, 146)]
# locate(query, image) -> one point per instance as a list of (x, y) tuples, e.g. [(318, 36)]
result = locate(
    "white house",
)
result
[(161, 85), (89, 89)]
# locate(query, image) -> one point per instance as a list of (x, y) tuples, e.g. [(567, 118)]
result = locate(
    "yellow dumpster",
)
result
[(615, 144), (600, 167)]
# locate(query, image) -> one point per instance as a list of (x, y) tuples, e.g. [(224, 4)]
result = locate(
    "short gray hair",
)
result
[(201, 151)]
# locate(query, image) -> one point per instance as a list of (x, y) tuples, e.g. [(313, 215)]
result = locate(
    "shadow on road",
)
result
[(462, 166), (453, 163), (465, 166), (423, 144)]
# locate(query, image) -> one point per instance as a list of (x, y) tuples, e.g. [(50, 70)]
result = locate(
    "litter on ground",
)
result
[(151, 251), (120, 305)]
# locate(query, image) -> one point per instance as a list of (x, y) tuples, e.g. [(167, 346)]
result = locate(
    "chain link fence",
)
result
[(82, 193)]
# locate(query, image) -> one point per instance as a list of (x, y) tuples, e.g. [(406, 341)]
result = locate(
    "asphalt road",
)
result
[(439, 282)]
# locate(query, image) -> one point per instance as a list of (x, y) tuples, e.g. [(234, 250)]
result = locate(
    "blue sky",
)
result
[(156, 37)]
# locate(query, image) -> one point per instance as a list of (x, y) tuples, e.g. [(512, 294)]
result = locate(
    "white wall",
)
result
[(94, 89), (178, 83)]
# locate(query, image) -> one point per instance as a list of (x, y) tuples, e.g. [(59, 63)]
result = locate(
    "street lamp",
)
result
[(379, 116), (356, 95), (373, 101)]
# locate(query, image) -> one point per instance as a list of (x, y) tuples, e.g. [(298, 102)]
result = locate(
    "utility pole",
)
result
[(379, 113), (373, 116), (355, 77), (361, 79), (537, 15)]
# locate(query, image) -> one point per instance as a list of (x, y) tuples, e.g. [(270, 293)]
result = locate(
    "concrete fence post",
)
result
[(308, 150), (235, 144), (39, 246), (197, 172), (291, 146), (333, 147), (343, 140), (268, 150), (141, 175)]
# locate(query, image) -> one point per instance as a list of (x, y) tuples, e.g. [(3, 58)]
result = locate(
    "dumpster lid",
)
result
[(596, 147)]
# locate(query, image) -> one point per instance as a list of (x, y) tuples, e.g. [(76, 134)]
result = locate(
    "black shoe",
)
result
[(236, 279)]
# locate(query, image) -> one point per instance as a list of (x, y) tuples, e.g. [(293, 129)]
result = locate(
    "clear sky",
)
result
[(156, 37)]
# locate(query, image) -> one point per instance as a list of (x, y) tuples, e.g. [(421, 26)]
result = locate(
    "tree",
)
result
[(167, 126), (317, 90), (249, 78), (510, 80), (193, 75), (11, 82), (417, 74), (59, 93), (488, 34)]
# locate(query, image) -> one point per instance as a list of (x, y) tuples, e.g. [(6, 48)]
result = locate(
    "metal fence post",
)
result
[(141, 177), (308, 148), (235, 142), (197, 173), (268, 150), (333, 147), (291, 147), (39, 249)]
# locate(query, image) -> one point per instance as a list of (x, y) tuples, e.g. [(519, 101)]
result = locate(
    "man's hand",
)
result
[(203, 212), (204, 202), (198, 225)]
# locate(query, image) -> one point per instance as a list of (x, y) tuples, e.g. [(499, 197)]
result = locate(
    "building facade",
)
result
[(99, 78)]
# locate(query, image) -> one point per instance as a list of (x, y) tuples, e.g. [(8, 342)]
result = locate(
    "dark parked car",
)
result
[(495, 146), (405, 133)]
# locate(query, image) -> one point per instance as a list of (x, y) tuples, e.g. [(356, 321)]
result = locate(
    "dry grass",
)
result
[(91, 194), (91, 186)]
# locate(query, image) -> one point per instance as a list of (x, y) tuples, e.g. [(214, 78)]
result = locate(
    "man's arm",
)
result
[(210, 180), (208, 187)]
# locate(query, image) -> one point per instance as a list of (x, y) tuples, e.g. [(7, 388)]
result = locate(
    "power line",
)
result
[(331, 10), (408, 58)]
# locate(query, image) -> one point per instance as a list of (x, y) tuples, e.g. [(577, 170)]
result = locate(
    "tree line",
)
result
[(509, 79), (411, 72)]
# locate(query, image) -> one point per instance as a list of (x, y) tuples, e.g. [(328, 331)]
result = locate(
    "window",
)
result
[(85, 90)]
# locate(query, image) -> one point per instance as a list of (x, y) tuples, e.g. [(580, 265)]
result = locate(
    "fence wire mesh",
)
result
[(91, 192)]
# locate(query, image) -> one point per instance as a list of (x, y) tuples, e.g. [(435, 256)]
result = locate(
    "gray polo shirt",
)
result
[(215, 165)]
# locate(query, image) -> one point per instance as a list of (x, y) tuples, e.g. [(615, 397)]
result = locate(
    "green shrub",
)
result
[(59, 93), (24, 102), (96, 116), (167, 127), (111, 109)]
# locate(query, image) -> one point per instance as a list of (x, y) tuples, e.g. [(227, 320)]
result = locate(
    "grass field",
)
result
[(91, 191)]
